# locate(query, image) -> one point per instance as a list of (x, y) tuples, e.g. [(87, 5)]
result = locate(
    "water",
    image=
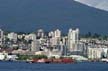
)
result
[(21, 66)]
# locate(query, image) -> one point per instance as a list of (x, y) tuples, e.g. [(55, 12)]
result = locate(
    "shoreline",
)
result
[(77, 62)]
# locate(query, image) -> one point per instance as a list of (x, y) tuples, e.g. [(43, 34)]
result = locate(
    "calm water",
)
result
[(17, 66)]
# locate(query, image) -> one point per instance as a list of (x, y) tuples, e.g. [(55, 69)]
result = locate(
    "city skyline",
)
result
[(55, 44), (53, 35)]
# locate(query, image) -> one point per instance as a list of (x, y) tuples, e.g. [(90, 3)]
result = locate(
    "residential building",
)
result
[(1, 37), (73, 38), (57, 37), (57, 33), (12, 36), (51, 34), (40, 33), (35, 46), (31, 36), (95, 53)]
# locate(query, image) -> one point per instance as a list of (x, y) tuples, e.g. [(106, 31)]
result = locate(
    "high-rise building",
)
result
[(73, 38), (51, 34), (56, 38), (57, 33), (35, 46), (1, 37), (40, 33)]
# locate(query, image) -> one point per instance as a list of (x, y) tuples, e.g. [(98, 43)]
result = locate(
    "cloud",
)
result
[(100, 4)]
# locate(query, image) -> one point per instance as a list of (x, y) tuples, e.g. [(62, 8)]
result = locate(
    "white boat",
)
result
[(104, 60)]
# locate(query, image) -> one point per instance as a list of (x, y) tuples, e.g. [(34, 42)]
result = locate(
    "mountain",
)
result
[(29, 15), (100, 4)]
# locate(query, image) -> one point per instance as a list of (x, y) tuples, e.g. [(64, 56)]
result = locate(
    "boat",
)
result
[(104, 60), (62, 60)]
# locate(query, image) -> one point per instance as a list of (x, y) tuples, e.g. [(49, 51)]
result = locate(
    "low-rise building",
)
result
[(95, 53), (12, 36), (31, 36), (35, 46)]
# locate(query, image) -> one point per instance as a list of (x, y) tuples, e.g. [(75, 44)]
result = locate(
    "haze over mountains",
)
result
[(29, 15)]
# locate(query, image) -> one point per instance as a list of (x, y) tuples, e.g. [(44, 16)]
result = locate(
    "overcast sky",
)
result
[(101, 4)]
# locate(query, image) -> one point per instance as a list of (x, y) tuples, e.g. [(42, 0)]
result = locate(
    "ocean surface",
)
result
[(30, 15), (21, 66)]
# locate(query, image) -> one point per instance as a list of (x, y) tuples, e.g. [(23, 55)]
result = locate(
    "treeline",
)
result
[(94, 35), (25, 57)]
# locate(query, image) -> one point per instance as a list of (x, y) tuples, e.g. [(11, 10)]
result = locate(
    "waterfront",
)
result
[(22, 66)]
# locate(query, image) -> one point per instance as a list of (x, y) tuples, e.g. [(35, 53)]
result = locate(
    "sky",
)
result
[(100, 4)]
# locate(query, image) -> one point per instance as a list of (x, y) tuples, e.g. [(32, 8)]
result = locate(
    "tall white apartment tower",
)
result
[(57, 33), (1, 37), (73, 37), (57, 36)]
